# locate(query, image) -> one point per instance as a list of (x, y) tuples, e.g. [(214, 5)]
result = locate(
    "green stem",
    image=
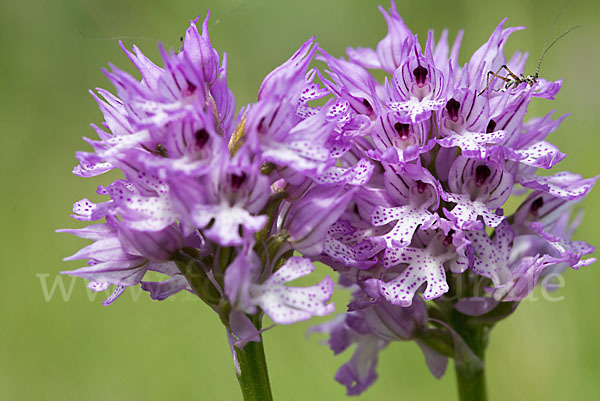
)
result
[(471, 383), (253, 375), (470, 371)]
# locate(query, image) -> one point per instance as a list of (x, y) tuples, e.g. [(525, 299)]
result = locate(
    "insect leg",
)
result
[(512, 74), (495, 74)]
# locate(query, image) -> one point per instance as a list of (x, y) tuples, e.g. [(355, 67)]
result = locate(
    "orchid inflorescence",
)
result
[(401, 187)]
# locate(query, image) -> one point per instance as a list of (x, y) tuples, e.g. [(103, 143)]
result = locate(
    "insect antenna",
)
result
[(116, 37), (229, 13), (537, 70), (549, 33), (119, 37)]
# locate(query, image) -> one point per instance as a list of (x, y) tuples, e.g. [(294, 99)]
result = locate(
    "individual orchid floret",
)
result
[(109, 263), (349, 245), (191, 87), (415, 190), (226, 203), (465, 123), (560, 230), (188, 148), (183, 86), (530, 147), (396, 142), (282, 304), (418, 88), (569, 252), (354, 84), (371, 330), (515, 270), (477, 187), (120, 257), (286, 305), (301, 147), (564, 185), (523, 278), (542, 214), (123, 133), (284, 128)]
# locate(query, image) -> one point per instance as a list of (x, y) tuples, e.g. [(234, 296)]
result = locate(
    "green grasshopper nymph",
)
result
[(512, 80)]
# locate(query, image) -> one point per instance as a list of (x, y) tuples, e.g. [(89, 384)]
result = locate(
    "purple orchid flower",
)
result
[(477, 188), (372, 329), (418, 87), (415, 189), (465, 123)]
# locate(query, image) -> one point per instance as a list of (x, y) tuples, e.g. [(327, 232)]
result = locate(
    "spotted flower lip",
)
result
[(285, 305), (423, 265), (492, 255)]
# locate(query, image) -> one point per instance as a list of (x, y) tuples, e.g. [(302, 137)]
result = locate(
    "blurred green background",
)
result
[(177, 350)]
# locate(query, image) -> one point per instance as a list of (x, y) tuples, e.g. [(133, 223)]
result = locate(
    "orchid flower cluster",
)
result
[(202, 195), (450, 146), (400, 186)]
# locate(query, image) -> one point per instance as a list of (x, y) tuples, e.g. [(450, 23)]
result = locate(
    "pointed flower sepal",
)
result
[(309, 219)]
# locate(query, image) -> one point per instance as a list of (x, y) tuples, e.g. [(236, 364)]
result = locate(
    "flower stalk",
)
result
[(471, 383), (251, 363), (253, 374), (470, 372)]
